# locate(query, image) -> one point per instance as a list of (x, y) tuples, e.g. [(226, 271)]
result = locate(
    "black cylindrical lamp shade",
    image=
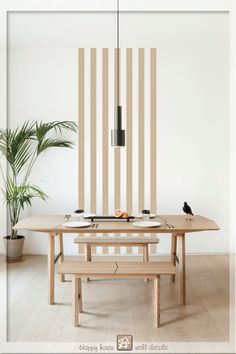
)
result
[(117, 137), (118, 134)]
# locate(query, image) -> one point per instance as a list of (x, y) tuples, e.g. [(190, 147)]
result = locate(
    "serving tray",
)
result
[(109, 217)]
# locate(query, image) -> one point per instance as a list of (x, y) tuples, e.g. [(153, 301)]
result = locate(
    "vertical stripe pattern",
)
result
[(116, 151), (118, 178), (81, 128), (81, 132), (141, 128), (93, 102), (105, 134), (129, 113), (153, 136)]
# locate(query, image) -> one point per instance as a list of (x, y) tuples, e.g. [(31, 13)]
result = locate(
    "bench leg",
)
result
[(145, 256), (75, 301), (80, 295), (156, 298), (173, 253), (88, 257), (61, 259)]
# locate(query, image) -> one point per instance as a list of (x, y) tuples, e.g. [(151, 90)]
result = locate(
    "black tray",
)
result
[(107, 217)]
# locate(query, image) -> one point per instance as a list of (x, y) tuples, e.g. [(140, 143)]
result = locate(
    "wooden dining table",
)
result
[(175, 225)]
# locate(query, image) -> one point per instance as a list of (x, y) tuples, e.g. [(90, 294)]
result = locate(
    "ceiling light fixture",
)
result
[(118, 134)]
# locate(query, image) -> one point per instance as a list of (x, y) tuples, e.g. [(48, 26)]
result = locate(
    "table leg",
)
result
[(173, 252), (75, 301), (80, 295), (145, 256), (51, 268), (61, 259), (182, 278), (88, 257), (156, 301)]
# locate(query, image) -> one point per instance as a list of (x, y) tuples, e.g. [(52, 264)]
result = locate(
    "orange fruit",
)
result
[(117, 213), (125, 215)]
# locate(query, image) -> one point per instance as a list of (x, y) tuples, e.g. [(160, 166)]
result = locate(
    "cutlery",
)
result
[(96, 226), (170, 226), (92, 225)]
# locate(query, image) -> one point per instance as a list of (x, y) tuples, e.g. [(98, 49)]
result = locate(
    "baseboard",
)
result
[(161, 254), (138, 255)]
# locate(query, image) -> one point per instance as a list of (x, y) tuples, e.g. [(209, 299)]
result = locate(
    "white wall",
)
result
[(193, 129)]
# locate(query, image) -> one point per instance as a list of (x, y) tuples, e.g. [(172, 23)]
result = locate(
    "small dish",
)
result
[(85, 215), (147, 223), (76, 224)]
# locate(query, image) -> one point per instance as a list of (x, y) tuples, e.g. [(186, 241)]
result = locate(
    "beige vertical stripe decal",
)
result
[(81, 129), (141, 130), (129, 107), (153, 131), (141, 127), (105, 138), (116, 151), (93, 102), (81, 134), (153, 135), (105, 134), (129, 95)]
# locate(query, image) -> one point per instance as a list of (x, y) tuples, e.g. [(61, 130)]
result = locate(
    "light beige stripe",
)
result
[(153, 137), (93, 114), (153, 154), (141, 130), (105, 134), (116, 152), (81, 128), (141, 127), (129, 95), (81, 133)]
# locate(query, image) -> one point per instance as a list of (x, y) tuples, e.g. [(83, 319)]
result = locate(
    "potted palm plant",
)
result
[(20, 149)]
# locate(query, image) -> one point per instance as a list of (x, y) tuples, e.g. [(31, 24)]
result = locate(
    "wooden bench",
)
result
[(128, 270), (94, 240)]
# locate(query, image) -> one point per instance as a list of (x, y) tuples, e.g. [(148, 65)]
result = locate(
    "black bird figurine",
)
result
[(187, 210)]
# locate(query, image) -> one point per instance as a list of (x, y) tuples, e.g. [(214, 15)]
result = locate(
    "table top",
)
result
[(53, 224)]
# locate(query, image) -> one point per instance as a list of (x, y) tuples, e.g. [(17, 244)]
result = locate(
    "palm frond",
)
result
[(21, 195), (43, 129), (49, 143), (15, 145)]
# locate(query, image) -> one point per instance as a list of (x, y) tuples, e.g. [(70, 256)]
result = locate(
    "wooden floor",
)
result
[(114, 307)]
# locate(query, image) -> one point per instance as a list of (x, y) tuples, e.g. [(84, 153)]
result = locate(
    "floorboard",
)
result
[(114, 307)]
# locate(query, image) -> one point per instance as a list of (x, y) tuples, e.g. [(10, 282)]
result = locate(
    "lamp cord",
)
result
[(118, 55)]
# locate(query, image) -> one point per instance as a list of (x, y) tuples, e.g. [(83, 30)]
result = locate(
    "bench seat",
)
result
[(130, 270)]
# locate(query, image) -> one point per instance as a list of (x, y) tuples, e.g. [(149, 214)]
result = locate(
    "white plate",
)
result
[(76, 224), (85, 215), (140, 216), (147, 223)]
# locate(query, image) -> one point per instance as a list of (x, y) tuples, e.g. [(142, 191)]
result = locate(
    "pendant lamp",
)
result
[(118, 134)]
